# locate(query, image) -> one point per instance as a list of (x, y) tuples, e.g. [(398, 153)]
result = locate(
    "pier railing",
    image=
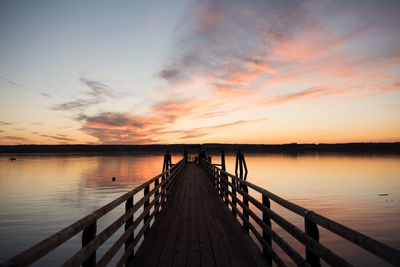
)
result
[(229, 187), (156, 189)]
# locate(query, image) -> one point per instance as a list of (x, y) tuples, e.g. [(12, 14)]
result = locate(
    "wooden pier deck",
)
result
[(197, 229)]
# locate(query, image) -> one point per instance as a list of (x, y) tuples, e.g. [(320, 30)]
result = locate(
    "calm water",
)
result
[(41, 194)]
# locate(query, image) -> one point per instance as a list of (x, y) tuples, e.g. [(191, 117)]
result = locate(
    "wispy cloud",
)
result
[(58, 137), (98, 93), (202, 132), (4, 123), (14, 138), (112, 128), (46, 95), (117, 128), (310, 93), (8, 81)]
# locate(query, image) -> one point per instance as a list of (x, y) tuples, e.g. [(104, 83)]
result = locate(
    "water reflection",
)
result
[(39, 195), (362, 192)]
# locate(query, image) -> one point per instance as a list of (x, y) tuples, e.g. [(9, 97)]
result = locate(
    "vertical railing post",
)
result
[(89, 233), (129, 222), (156, 193), (215, 177), (234, 197), (225, 187), (239, 163), (223, 166), (218, 184), (221, 188), (166, 170), (245, 212), (267, 220), (146, 204), (312, 231)]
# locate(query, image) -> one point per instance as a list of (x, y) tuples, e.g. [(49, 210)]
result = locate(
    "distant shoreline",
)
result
[(368, 148)]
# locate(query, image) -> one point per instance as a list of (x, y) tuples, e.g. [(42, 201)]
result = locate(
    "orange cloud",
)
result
[(263, 67), (311, 93)]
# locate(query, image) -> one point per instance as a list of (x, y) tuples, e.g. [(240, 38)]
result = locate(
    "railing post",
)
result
[(246, 204), (166, 168), (234, 197), (225, 187), (312, 231), (89, 233), (239, 164), (267, 220), (146, 204), (221, 188), (156, 183), (129, 222), (223, 166), (215, 177), (218, 179), (185, 155)]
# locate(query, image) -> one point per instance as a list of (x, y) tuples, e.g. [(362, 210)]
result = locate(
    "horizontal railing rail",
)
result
[(230, 186), (86, 256)]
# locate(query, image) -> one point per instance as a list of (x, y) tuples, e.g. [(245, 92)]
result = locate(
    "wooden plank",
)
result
[(206, 252), (242, 249), (199, 232), (181, 244), (193, 254), (219, 252)]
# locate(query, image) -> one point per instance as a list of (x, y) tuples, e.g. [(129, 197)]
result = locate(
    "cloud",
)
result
[(98, 89), (233, 57), (46, 95), (58, 137), (202, 132), (78, 104), (14, 138), (310, 93), (255, 45), (122, 128), (4, 123), (118, 128), (170, 74), (232, 40), (9, 81), (97, 94)]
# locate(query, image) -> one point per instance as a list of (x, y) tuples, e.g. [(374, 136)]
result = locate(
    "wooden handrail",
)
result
[(91, 241), (219, 178), (329, 256)]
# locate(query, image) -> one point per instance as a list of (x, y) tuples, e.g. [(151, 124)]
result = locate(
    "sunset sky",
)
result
[(198, 71)]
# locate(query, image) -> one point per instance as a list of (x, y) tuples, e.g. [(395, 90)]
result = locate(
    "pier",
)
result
[(195, 213)]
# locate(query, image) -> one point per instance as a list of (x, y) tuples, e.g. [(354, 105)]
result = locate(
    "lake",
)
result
[(41, 194)]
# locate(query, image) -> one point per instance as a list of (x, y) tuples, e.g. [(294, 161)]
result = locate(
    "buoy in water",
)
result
[(113, 178)]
